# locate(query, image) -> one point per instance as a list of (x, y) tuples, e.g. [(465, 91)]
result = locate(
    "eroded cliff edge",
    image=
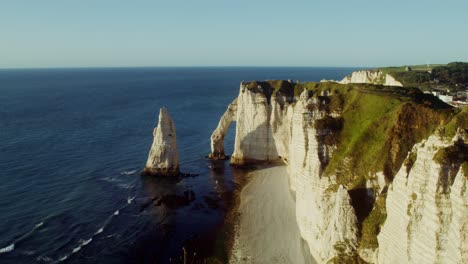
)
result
[(348, 147)]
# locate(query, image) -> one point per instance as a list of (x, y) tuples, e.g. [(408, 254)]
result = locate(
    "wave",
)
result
[(86, 242), (12, 246), (44, 259), (116, 212), (100, 230), (7, 249), (82, 243), (130, 199), (128, 172), (27, 252), (111, 179), (78, 248), (126, 186)]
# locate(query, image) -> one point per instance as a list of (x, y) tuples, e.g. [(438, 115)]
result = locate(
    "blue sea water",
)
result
[(72, 144)]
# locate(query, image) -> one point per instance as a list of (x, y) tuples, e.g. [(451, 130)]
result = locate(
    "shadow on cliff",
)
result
[(261, 140), (362, 200)]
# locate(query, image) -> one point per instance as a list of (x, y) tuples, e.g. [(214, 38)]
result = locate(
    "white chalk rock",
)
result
[(324, 215), (427, 212), (163, 158), (217, 138), (426, 223), (371, 76)]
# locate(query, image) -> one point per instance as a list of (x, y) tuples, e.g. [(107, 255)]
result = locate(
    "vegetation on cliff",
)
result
[(453, 76), (376, 128), (372, 224), (371, 129)]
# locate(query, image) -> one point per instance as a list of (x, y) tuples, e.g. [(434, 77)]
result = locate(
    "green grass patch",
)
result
[(372, 224), (378, 124), (460, 120)]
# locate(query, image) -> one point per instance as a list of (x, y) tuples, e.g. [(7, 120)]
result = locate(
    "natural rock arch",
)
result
[(217, 138)]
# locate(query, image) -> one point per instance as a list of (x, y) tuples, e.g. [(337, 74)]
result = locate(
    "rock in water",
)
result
[(163, 159)]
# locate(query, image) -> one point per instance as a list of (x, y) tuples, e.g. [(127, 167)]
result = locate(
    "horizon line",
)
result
[(203, 66)]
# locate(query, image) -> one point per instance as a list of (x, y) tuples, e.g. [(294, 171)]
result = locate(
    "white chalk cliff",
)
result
[(217, 138), (275, 128), (427, 212), (163, 158), (371, 76), (275, 125)]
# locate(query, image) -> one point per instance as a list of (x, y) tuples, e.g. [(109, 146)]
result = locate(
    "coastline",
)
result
[(264, 224)]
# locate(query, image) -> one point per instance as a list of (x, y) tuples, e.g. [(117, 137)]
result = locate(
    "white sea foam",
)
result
[(130, 199), (27, 252), (110, 179), (116, 212), (12, 246), (128, 172), (7, 249), (44, 259), (126, 186), (86, 242), (76, 249), (63, 258), (99, 231)]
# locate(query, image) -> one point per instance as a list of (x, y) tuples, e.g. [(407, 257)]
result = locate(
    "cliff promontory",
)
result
[(378, 172), (163, 158), (371, 76)]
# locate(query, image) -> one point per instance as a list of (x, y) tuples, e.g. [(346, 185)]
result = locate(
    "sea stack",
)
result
[(163, 158)]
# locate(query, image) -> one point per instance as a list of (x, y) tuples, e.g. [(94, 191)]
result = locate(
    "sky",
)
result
[(119, 33)]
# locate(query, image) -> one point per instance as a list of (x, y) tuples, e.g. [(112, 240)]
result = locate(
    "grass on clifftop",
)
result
[(380, 126), (376, 129), (459, 121), (453, 76)]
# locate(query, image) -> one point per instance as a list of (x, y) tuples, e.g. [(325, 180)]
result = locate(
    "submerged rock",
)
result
[(163, 158)]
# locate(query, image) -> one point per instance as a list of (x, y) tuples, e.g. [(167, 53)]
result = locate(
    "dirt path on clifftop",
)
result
[(267, 231)]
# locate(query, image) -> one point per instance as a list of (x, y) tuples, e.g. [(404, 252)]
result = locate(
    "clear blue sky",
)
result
[(81, 33)]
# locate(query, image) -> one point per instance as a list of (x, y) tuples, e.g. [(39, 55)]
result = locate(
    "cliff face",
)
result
[(344, 144), (217, 138), (371, 76), (326, 219), (427, 209), (163, 158), (272, 125)]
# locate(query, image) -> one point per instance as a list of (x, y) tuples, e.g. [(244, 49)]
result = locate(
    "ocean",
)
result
[(73, 143)]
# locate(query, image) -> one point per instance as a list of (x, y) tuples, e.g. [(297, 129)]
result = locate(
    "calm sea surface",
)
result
[(72, 144)]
